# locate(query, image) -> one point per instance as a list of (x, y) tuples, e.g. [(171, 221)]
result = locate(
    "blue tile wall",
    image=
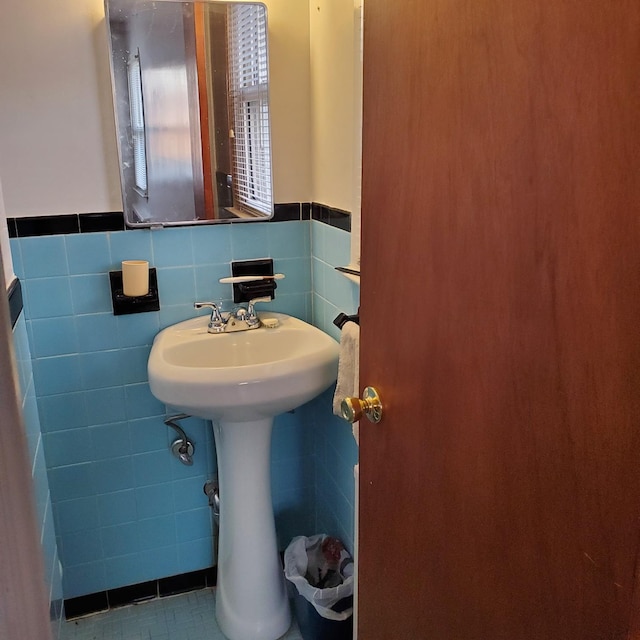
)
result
[(336, 451), (125, 510), (53, 569), (332, 292)]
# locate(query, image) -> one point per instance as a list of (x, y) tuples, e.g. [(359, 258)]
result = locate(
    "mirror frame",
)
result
[(175, 177)]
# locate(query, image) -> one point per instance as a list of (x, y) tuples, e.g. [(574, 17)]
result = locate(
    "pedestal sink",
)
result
[(241, 381)]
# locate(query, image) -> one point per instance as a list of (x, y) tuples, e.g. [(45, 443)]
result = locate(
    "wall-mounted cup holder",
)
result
[(133, 304)]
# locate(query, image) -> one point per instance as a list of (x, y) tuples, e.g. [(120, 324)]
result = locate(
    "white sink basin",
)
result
[(242, 381), (241, 376)]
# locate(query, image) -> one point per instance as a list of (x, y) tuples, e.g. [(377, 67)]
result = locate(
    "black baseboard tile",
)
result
[(182, 583), (96, 222), (84, 605), (212, 576), (306, 210), (132, 593)]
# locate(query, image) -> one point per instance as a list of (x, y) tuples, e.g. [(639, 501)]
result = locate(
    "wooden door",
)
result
[(500, 311)]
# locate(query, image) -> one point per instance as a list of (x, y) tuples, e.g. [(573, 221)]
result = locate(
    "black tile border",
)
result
[(47, 225), (333, 217), (114, 220), (312, 211), (111, 221), (286, 212), (14, 293), (122, 596), (65, 224)]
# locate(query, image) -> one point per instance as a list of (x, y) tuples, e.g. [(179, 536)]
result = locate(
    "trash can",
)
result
[(321, 570)]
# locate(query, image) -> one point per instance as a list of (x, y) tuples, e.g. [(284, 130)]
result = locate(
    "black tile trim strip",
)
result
[(312, 211), (114, 220), (65, 224), (286, 212), (111, 221), (47, 225), (104, 600), (333, 217), (15, 301)]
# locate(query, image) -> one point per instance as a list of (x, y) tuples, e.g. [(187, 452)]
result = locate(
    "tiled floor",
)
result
[(189, 616)]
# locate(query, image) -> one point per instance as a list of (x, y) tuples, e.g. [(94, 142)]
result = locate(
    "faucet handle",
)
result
[(216, 321), (252, 317), (212, 305), (250, 309)]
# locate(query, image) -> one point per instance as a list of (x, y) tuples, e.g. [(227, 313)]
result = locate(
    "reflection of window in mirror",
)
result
[(134, 77), (249, 101)]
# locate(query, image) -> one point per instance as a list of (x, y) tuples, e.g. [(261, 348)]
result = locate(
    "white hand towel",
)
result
[(348, 366)]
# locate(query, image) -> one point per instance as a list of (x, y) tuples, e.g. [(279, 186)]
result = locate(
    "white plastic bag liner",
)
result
[(295, 569)]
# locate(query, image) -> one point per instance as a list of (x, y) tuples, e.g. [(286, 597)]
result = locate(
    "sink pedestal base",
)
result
[(251, 598)]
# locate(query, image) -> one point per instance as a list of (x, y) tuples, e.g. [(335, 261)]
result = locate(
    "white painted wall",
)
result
[(332, 99), (336, 111), (290, 99), (57, 137)]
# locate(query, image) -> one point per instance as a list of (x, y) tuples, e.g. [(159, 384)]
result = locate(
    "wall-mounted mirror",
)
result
[(191, 96)]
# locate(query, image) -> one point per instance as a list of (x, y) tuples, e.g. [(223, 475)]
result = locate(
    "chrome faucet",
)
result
[(242, 319), (239, 319), (216, 322)]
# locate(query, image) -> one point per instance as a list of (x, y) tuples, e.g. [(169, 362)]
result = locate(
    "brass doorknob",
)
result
[(353, 408)]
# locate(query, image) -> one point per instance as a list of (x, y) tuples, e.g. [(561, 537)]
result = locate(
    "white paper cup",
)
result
[(135, 277)]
